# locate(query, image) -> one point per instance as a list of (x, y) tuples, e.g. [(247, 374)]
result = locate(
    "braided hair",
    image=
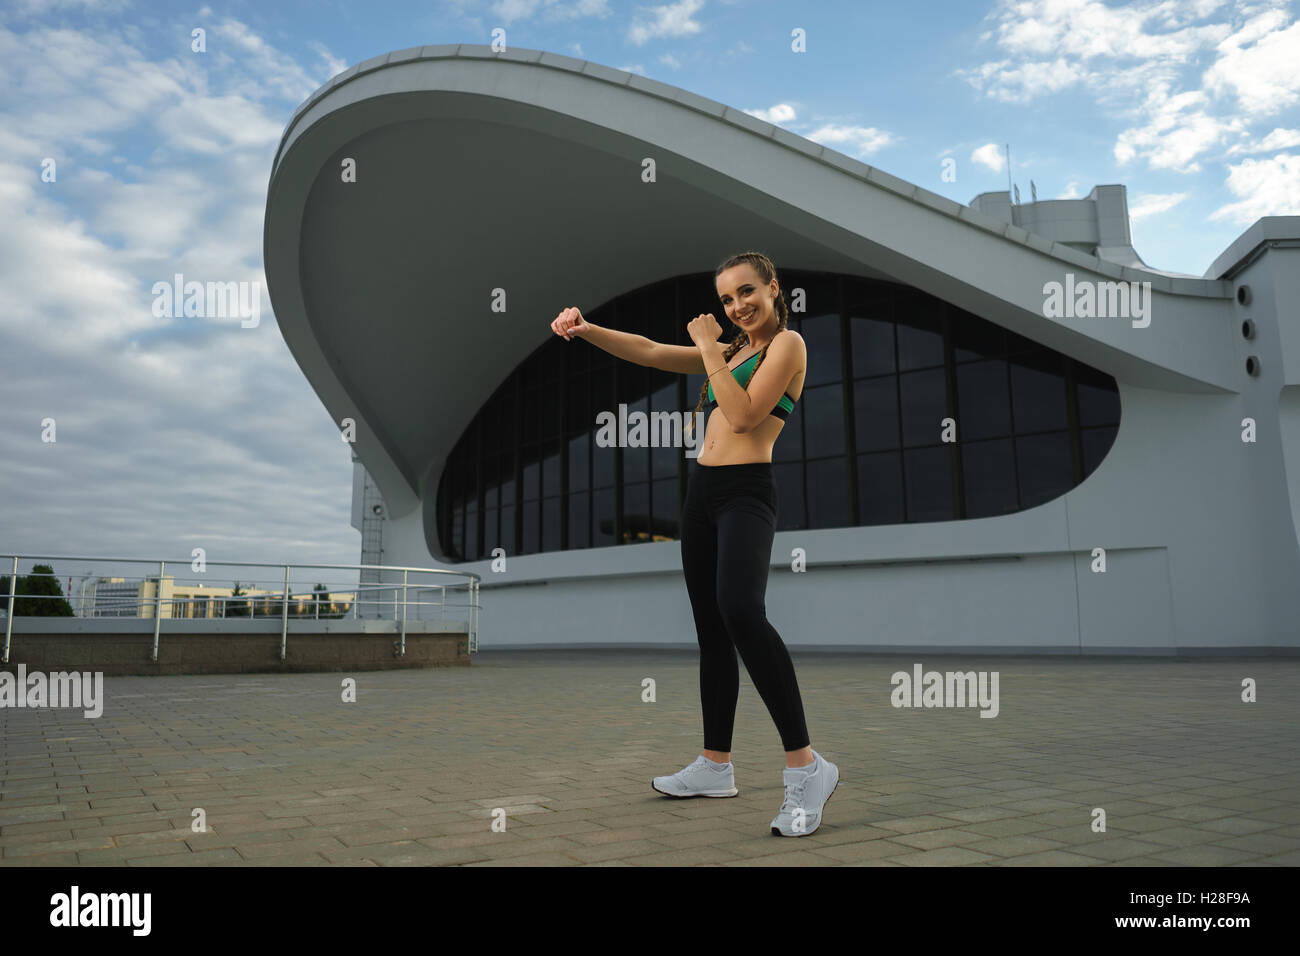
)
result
[(767, 272)]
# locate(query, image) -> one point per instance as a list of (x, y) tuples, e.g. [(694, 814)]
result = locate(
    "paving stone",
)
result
[(1260, 843), (978, 814), (1291, 858), (933, 839), (789, 858), (319, 784), (1048, 858), (1110, 847), (868, 850), (1239, 826), (205, 858), (624, 850), (944, 856), (915, 824), (1180, 836), (1009, 826), (1204, 855), (532, 859), (1198, 814), (1013, 845)]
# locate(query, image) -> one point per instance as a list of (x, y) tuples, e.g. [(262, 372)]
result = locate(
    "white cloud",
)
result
[(861, 140), (507, 11), (1259, 65), (1176, 130), (845, 138), (1071, 191), (1278, 139), (73, 88), (217, 124), (1020, 83), (1088, 29), (1191, 76), (1266, 187), (990, 156), (776, 115), (44, 7), (333, 65), (162, 168), (670, 61), (633, 68), (261, 68), (1152, 204), (670, 20)]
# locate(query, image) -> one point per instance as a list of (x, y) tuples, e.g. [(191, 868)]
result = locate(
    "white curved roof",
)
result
[(519, 174)]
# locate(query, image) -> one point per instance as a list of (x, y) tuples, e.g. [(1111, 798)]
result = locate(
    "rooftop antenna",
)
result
[(1033, 190), (1017, 189)]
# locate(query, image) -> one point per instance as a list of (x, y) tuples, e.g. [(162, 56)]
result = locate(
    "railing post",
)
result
[(473, 615), (157, 609), (442, 608), (9, 618), (402, 650), (284, 614)]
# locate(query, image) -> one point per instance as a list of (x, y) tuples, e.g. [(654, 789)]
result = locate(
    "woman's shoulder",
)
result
[(793, 336)]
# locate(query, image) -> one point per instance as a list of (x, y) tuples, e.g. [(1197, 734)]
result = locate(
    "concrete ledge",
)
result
[(940, 650), (253, 649)]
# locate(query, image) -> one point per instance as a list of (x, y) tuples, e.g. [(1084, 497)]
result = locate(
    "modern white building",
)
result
[(1014, 435)]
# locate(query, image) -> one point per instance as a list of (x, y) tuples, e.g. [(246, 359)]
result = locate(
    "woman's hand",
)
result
[(570, 323), (703, 328)]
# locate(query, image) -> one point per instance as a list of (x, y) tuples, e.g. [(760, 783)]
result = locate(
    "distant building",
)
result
[(118, 597)]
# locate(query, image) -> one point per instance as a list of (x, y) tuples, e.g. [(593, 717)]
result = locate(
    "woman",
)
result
[(728, 523)]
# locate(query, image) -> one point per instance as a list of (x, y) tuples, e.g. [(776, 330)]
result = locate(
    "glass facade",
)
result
[(864, 445)]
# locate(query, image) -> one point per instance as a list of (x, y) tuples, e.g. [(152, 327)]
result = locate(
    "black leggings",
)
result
[(728, 523)]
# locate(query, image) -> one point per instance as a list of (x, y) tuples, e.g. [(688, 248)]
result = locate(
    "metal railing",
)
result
[(246, 604)]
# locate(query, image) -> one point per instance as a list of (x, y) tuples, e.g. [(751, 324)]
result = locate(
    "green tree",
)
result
[(237, 608), (38, 594)]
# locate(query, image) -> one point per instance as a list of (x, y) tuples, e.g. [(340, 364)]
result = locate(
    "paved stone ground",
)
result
[(288, 774)]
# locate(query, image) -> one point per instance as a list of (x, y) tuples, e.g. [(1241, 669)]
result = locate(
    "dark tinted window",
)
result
[(535, 489)]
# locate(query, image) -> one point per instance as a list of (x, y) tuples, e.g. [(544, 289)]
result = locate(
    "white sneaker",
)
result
[(806, 792), (700, 779)]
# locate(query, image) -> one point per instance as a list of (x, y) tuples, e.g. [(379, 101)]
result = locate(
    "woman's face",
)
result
[(745, 298)]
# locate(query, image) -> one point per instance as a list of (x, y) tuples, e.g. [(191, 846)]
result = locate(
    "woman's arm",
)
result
[(629, 346), (684, 359), (625, 345)]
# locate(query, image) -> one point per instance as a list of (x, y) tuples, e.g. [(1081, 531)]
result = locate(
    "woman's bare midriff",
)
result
[(722, 446)]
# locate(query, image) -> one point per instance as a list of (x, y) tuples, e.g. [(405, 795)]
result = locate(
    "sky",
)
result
[(126, 156)]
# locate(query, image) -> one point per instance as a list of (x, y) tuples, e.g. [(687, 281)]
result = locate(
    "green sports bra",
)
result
[(742, 374)]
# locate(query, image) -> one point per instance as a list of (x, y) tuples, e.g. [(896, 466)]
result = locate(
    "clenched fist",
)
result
[(703, 328), (570, 323)]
